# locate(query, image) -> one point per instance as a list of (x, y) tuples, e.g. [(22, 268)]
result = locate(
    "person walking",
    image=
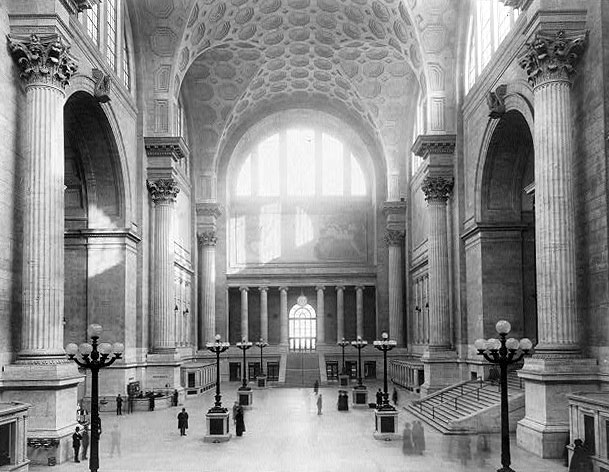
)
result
[(76, 438), (239, 421), (407, 447), (115, 441), (174, 398), (394, 396), (418, 437), (183, 422), (85, 441), (119, 405), (319, 404), (235, 409)]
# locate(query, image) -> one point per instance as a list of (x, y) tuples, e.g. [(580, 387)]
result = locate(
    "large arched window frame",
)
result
[(489, 23), (302, 327)]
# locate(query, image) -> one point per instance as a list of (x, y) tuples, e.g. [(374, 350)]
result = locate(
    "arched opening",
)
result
[(302, 326), (500, 251)]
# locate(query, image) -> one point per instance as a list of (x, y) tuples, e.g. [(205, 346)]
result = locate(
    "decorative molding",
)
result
[(514, 3), (163, 190), (45, 443), (496, 102), (209, 209), (77, 6), (103, 233), (437, 188), (264, 288), (43, 59), (427, 144), (394, 237), (393, 207), (553, 56), (162, 146), (101, 89), (207, 238)]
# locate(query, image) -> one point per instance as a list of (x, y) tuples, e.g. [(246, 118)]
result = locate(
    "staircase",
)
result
[(302, 369), (470, 407)]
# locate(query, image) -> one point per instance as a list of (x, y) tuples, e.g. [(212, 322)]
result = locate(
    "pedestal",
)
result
[(386, 425), (343, 380), (261, 379), (360, 396), (246, 397), (545, 427), (217, 426), (164, 370), (440, 370)]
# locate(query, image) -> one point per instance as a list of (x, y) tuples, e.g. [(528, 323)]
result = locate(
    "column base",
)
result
[(163, 370), (386, 424), (441, 370), (217, 426), (52, 389), (545, 427)]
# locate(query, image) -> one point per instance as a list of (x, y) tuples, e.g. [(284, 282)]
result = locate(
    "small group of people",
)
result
[(238, 418), (413, 439), (580, 460), (80, 440)]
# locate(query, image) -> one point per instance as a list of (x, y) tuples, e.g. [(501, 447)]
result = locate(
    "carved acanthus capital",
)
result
[(207, 238), (553, 56), (394, 237), (101, 89), (43, 59), (437, 188), (496, 102), (163, 190)]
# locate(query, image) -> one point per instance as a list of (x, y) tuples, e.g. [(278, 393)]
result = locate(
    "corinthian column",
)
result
[(244, 313), (264, 313), (46, 67), (207, 248), (164, 193), (437, 190), (550, 65), (359, 311), (340, 312), (321, 332), (283, 315), (395, 241)]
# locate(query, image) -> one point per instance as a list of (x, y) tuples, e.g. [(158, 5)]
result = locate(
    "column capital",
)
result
[(163, 190), (207, 238), (264, 288), (43, 59), (553, 56), (244, 289), (283, 289), (394, 237), (339, 288), (359, 287), (320, 287), (437, 188)]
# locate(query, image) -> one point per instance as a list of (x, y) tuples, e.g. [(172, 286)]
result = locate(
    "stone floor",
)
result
[(284, 433)]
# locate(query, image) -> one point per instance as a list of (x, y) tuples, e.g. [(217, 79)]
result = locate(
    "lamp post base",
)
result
[(360, 396), (217, 426), (506, 468), (261, 380), (246, 397), (343, 380), (386, 422)]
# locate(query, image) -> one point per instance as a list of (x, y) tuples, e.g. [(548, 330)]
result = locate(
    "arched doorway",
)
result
[(302, 326)]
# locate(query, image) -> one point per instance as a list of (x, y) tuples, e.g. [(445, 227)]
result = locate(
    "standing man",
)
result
[(119, 405), (183, 422), (85, 441), (76, 437), (319, 404)]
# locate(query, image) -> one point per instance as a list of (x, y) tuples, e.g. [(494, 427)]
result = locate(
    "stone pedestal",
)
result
[(164, 369), (343, 380), (13, 416), (359, 396), (217, 426), (386, 425), (246, 397), (441, 370), (261, 381), (545, 427)]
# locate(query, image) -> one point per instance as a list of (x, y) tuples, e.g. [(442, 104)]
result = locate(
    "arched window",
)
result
[(302, 326), (489, 23)]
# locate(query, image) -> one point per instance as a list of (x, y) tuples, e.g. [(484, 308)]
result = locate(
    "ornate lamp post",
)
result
[(504, 352), (360, 393), (343, 378), (261, 377), (245, 392), (217, 416), (386, 415), (95, 357)]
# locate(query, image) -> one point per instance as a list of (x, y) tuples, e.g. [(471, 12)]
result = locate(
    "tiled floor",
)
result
[(284, 433)]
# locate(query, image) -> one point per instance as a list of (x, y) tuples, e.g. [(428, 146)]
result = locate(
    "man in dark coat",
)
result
[(183, 422), (418, 437), (119, 405), (76, 437), (379, 398), (85, 441), (239, 421), (580, 460)]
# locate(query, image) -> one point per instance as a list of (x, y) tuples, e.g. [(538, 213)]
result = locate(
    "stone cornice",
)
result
[(163, 146), (209, 209), (427, 144), (553, 56), (491, 227), (163, 190), (393, 207), (43, 59), (77, 6), (103, 233), (207, 238), (437, 188), (394, 237)]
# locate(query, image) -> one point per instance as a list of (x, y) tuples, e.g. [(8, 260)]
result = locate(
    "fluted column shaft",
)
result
[(264, 313), (45, 67), (437, 191), (550, 63), (164, 192), (283, 316), (321, 332), (359, 311), (207, 245), (340, 312), (395, 240), (244, 313)]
